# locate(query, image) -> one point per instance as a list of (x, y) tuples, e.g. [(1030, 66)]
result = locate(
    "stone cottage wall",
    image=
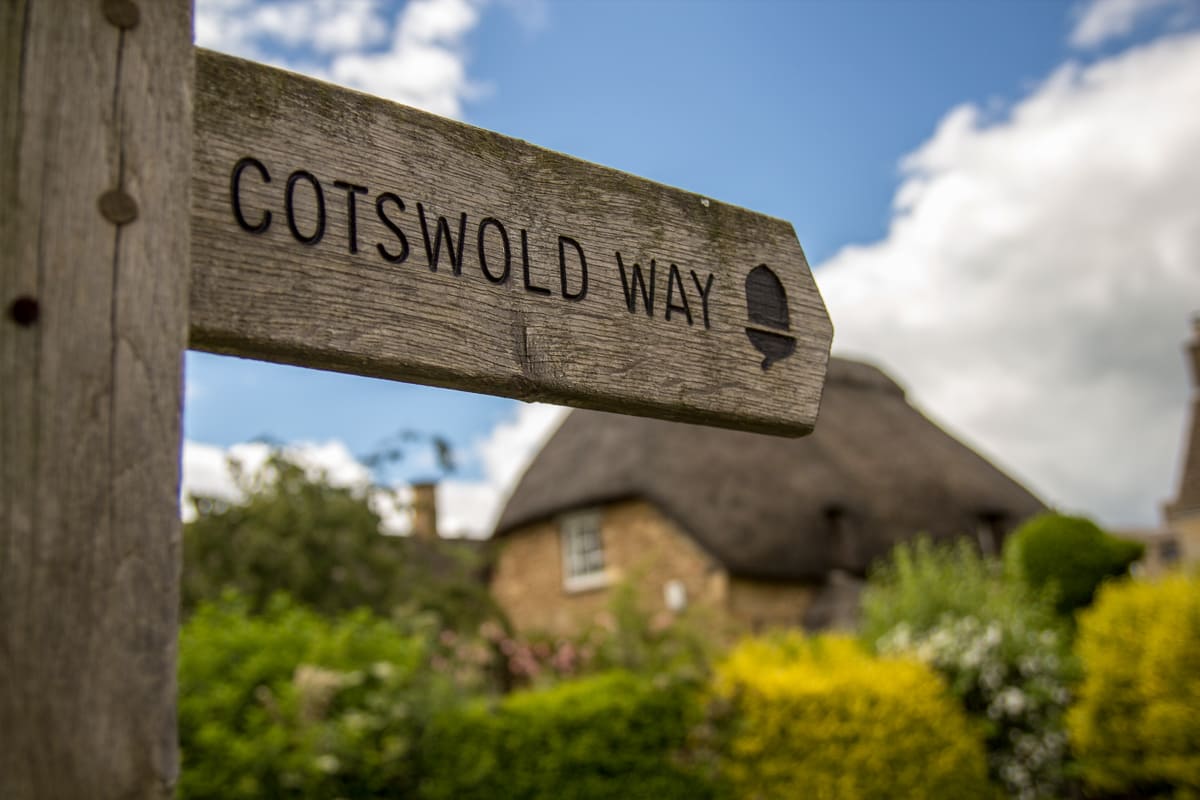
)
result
[(641, 546), (761, 605), (645, 548)]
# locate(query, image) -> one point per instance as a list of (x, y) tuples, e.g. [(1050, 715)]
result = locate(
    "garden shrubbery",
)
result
[(1069, 556), (921, 583), (290, 704), (822, 718), (998, 643), (959, 687), (1136, 727), (614, 736)]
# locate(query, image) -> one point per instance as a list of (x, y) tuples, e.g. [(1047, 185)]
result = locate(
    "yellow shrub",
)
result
[(1136, 725), (822, 718)]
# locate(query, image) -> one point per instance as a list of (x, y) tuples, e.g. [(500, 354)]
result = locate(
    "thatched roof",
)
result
[(874, 473)]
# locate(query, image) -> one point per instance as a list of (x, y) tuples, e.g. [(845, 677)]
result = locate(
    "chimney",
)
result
[(424, 510)]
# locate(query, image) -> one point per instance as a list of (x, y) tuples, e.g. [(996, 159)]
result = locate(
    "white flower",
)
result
[(1013, 700)]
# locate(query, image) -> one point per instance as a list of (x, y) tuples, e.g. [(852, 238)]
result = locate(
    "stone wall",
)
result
[(645, 548), (641, 546), (1187, 528), (762, 605)]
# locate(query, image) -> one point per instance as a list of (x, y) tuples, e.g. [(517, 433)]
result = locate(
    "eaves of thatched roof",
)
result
[(874, 473)]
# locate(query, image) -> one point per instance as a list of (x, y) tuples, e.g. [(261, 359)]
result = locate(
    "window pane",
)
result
[(583, 549)]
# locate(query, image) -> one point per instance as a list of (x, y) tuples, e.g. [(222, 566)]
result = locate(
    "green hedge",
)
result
[(1069, 556), (822, 718), (1136, 726), (615, 736)]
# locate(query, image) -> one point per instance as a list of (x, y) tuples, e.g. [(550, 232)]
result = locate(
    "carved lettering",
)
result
[(351, 212), (483, 265), (307, 221), (673, 280), (433, 247), (529, 285), (235, 197), (289, 201), (562, 269), (636, 281), (704, 292), (393, 258)]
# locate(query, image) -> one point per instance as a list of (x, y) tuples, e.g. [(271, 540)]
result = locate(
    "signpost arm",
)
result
[(95, 161)]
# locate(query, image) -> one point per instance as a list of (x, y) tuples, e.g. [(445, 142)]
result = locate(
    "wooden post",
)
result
[(95, 161)]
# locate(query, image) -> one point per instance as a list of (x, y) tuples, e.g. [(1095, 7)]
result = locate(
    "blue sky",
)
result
[(998, 198)]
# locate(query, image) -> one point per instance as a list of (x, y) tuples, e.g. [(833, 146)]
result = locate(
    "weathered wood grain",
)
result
[(91, 341), (337, 294)]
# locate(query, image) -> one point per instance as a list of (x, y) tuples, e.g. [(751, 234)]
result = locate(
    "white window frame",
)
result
[(583, 562)]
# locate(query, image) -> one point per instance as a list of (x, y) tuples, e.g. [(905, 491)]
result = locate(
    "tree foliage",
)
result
[(321, 544)]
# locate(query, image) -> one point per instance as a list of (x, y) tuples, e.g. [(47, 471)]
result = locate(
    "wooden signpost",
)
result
[(317, 226), (337, 230)]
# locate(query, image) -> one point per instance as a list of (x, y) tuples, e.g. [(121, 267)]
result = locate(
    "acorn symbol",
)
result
[(766, 305)]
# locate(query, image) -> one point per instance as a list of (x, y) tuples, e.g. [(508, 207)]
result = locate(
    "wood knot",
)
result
[(123, 14), (118, 207), (24, 311)]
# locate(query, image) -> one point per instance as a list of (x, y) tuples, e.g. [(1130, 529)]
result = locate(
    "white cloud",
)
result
[(1037, 280), (251, 29), (471, 508), (465, 508), (507, 451), (415, 55), (206, 473), (1103, 20), (426, 64)]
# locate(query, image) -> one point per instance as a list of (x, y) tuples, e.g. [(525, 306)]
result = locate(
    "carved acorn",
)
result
[(767, 307)]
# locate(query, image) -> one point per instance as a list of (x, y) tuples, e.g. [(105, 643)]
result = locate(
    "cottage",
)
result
[(758, 531)]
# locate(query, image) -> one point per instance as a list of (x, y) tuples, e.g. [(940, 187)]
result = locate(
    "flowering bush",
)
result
[(1136, 727), (1012, 676), (624, 637), (823, 718), (920, 583), (999, 644)]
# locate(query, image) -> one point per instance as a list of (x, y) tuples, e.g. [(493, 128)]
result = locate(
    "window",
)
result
[(1168, 551), (843, 539), (583, 551), (989, 530)]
